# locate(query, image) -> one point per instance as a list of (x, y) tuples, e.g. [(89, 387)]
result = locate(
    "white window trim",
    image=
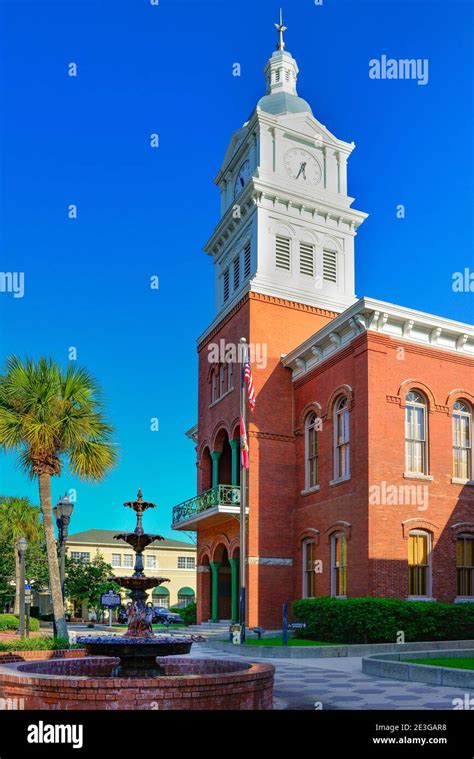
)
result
[(308, 541), (429, 584), (310, 488), (336, 480), (468, 415), (333, 562), (425, 474)]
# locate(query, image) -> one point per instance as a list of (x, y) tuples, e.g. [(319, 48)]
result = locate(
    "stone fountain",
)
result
[(139, 646)]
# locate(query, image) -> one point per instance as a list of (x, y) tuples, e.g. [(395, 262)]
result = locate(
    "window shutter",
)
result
[(307, 259), (282, 253), (330, 265), (247, 259), (226, 284), (236, 272)]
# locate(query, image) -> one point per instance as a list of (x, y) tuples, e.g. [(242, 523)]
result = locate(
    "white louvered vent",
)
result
[(282, 253), (226, 285), (307, 259), (236, 272), (247, 259), (330, 265)]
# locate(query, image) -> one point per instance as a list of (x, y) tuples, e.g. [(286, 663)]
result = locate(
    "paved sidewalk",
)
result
[(339, 683)]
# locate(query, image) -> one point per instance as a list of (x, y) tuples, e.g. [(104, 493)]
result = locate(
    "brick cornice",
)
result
[(294, 305), (271, 436)]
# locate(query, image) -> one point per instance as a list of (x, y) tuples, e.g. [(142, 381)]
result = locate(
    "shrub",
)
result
[(379, 620), (12, 622), (188, 613), (36, 644)]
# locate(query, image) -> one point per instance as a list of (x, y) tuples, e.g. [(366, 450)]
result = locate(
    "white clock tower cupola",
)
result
[(287, 225)]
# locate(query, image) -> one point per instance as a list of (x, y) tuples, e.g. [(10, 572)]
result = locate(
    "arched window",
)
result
[(222, 373), (416, 458), (341, 439), (186, 596), (311, 451), (213, 385), (462, 449), (309, 557), (230, 375), (161, 597), (419, 563), (465, 566), (339, 565)]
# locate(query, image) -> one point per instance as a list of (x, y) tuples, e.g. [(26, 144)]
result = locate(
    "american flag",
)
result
[(247, 379)]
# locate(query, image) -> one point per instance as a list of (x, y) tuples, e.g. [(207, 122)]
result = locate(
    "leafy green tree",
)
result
[(18, 518), (48, 417), (87, 581), (36, 564)]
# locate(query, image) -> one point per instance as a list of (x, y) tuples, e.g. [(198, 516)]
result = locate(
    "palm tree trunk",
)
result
[(16, 605), (54, 578)]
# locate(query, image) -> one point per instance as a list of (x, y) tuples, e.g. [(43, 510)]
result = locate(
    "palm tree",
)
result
[(18, 518), (50, 417)]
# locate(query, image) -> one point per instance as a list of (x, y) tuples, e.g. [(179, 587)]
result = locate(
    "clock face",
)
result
[(302, 166), (242, 177)]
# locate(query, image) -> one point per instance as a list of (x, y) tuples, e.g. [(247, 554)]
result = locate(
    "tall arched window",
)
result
[(465, 566), (416, 458), (222, 375), (213, 385), (419, 563), (341, 439), (338, 565), (462, 449), (230, 375), (309, 557), (311, 451)]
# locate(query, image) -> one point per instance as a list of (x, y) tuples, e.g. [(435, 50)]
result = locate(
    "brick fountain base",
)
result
[(69, 680)]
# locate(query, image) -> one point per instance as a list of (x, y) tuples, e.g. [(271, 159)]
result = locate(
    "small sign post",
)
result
[(110, 600)]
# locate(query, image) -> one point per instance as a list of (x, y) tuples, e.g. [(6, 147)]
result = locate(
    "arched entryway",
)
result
[(224, 585), (204, 589)]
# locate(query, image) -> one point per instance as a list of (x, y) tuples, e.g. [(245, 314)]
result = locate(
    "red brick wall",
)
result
[(436, 373)]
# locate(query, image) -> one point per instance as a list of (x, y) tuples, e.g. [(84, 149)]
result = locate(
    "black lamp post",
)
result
[(62, 513), (21, 547)]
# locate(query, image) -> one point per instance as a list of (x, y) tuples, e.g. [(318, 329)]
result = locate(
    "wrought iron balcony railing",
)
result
[(221, 495)]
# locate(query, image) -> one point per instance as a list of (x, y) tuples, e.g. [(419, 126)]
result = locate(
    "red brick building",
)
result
[(360, 479)]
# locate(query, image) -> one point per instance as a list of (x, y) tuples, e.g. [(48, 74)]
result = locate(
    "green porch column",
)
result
[(215, 590), (234, 568), (215, 456), (234, 447)]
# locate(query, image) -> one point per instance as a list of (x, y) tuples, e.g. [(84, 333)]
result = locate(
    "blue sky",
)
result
[(143, 212)]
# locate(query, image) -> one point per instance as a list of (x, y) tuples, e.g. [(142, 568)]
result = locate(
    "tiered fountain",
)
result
[(136, 670), (139, 646)]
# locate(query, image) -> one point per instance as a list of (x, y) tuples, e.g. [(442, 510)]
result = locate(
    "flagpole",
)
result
[(243, 502)]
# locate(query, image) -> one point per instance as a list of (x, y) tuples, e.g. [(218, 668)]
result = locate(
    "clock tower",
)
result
[(287, 225)]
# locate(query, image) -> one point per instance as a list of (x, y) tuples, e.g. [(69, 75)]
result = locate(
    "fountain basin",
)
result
[(83, 683), (137, 655)]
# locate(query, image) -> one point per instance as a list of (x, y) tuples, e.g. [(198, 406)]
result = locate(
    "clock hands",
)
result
[(302, 170)]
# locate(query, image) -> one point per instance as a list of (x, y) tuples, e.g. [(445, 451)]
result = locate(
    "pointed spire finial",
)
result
[(280, 29)]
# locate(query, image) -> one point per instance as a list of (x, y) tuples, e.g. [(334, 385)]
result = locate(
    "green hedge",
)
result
[(12, 622), (36, 644), (379, 620), (188, 613)]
